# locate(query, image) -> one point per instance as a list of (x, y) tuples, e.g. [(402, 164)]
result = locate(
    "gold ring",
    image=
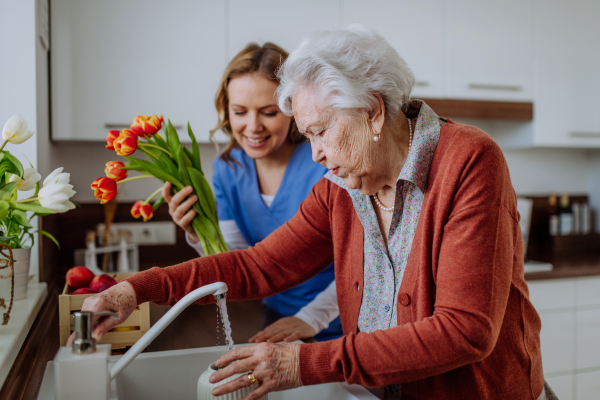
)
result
[(253, 380)]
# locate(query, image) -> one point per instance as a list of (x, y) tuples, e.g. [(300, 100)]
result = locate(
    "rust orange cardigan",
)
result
[(466, 328)]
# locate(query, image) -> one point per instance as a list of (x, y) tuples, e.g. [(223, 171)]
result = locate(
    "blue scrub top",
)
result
[(238, 198)]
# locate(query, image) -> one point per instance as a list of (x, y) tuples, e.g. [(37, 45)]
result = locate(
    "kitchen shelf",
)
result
[(455, 108)]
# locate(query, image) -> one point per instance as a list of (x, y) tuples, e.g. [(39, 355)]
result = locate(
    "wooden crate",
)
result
[(121, 336)]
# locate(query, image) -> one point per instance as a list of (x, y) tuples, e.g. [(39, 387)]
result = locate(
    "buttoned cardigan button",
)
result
[(404, 299)]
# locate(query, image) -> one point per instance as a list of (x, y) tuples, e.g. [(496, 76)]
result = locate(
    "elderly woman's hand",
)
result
[(119, 299), (181, 211), (275, 366), (287, 329)]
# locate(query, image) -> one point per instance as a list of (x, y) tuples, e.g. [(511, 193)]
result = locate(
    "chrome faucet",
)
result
[(217, 289)]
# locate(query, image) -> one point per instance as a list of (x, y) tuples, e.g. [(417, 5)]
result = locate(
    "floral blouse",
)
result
[(384, 269)]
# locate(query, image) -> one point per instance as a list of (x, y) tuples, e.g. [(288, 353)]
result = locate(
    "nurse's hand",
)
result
[(275, 366), (119, 299), (287, 329), (181, 211)]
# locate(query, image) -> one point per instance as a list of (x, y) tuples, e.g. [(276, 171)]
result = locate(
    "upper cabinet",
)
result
[(112, 60), (284, 23), (415, 30), (489, 45), (568, 73)]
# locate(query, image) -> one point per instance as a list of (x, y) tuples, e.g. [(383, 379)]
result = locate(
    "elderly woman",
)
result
[(420, 216)]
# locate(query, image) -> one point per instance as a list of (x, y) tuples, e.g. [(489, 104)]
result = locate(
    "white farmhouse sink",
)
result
[(174, 375)]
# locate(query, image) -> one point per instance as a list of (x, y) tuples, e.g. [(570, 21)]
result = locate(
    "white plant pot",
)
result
[(205, 387), (21, 263)]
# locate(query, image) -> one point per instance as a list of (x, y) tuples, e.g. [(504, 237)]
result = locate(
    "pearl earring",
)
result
[(376, 138)]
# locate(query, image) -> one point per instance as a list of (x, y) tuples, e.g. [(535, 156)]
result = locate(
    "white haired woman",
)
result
[(420, 216)]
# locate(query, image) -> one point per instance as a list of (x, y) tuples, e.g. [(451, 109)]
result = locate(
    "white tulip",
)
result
[(57, 176), (30, 178), (55, 196), (15, 130)]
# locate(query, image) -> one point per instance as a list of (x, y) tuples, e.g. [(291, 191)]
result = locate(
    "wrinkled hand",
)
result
[(287, 329), (119, 299), (276, 366), (181, 211)]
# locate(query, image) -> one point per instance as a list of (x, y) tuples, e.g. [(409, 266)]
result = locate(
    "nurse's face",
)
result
[(257, 124)]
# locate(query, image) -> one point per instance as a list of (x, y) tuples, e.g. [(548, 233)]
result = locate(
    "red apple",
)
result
[(106, 286), (84, 290), (100, 280), (78, 277)]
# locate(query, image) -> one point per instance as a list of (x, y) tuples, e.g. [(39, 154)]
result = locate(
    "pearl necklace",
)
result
[(375, 197)]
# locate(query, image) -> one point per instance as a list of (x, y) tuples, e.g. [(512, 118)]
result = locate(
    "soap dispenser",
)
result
[(81, 371)]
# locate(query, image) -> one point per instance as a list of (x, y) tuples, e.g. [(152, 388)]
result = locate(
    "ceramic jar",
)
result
[(205, 387), (21, 259)]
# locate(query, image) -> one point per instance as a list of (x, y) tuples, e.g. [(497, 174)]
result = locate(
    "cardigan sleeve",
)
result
[(472, 269), (292, 254)]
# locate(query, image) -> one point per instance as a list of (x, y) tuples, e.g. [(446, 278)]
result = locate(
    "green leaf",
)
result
[(49, 236), (160, 159), (10, 186), (10, 163), (4, 208), (173, 141), (183, 172), (31, 206), (20, 218), (159, 141), (6, 238), (206, 197), (195, 150), (4, 195), (157, 172), (205, 226)]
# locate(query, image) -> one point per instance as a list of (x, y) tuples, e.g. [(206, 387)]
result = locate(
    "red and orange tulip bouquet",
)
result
[(168, 161)]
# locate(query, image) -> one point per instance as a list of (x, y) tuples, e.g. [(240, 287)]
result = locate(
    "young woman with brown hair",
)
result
[(260, 179)]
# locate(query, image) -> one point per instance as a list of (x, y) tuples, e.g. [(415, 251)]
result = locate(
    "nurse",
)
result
[(260, 179)]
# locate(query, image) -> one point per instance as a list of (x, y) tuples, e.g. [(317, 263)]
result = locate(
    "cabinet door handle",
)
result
[(585, 134), (119, 126), (485, 86), (421, 83)]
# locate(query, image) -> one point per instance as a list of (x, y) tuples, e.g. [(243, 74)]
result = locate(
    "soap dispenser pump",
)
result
[(81, 371)]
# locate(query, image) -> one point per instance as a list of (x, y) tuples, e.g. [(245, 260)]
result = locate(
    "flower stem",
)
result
[(157, 191), (133, 178), (3, 144), (29, 200), (142, 145)]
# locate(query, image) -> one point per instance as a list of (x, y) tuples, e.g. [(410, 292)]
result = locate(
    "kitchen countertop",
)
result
[(571, 267)]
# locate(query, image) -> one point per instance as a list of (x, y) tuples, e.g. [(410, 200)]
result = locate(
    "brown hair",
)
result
[(253, 59)]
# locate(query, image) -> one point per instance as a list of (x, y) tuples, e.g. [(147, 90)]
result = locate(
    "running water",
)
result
[(225, 318)]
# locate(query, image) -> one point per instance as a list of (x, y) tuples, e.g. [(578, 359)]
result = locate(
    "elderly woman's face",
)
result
[(340, 141)]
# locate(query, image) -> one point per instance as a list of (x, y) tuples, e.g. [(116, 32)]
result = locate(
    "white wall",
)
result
[(18, 79)]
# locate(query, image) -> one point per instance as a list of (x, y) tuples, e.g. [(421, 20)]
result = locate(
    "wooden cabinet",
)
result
[(570, 314), (415, 30), (113, 60), (489, 49)]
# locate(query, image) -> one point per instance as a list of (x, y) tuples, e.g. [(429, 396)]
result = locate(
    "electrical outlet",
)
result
[(142, 233)]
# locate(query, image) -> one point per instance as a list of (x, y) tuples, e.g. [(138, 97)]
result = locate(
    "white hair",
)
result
[(347, 67)]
